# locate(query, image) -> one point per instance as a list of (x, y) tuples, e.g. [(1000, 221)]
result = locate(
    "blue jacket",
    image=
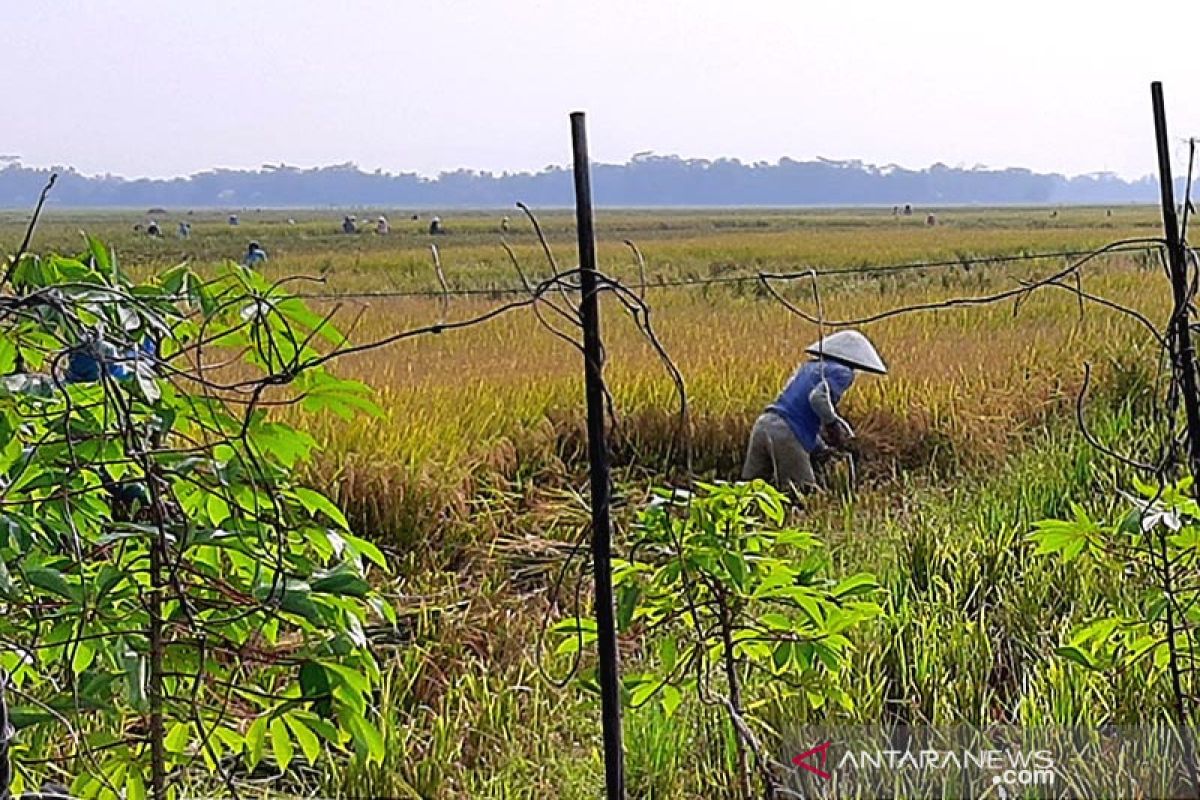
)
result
[(795, 406), (82, 366)]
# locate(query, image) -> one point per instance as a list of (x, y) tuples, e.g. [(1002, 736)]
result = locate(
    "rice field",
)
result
[(474, 480)]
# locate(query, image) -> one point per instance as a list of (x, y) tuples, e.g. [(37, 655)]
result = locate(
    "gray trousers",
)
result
[(776, 455)]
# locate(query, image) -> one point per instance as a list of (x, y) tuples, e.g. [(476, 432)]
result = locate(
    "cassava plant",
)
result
[(1156, 546), (716, 581), (175, 609)]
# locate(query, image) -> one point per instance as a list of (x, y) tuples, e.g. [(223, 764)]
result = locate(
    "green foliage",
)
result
[(1156, 545), (717, 577), (158, 495)]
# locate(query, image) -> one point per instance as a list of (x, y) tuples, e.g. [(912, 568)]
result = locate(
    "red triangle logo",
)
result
[(822, 751)]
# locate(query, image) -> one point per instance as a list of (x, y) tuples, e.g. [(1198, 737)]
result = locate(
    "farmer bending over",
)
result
[(255, 255), (803, 423)]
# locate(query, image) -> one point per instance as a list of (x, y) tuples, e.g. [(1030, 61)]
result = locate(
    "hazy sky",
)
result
[(165, 87)]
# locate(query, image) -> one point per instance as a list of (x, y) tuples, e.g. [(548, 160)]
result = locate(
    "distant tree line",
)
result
[(645, 180)]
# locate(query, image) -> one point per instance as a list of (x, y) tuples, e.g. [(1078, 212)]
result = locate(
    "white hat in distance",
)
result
[(850, 348)]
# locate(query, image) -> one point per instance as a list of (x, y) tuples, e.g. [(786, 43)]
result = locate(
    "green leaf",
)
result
[(1065, 538), (856, 585), (736, 565), (1072, 653), (368, 742), (53, 581), (779, 576), (256, 737), (176, 740), (668, 653), (315, 501), (345, 579), (218, 509), (300, 604), (1162, 656), (1098, 631), (310, 745), (294, 597), (576, 632), (362, 547), (770, 502), (828, 656), (100, 253), (627, 602), (26, 716), (83, 657), (374, 740), (297, 312), (323, 392), (644, 690), (135, 785), (777, 621), (781, 656), (568, 646), (314, 683), (8, 356), (85, 785), (281, 744), (325, 730), (842, 698), (809, 602), (671, 698), (1142, 646), (114, 774), (285, 444), (135, 679), (351, 679)]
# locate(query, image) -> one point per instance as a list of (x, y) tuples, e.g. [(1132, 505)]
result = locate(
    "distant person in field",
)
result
[(504, 224), (349, 225), (907, 210), (152, 229), (435, 227), (233, 219), (803, 425), (185, 230), (255, 255), (931, 220), (382, 227)]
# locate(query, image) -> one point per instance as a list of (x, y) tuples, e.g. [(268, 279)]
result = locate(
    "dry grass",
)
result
[(503, 401)]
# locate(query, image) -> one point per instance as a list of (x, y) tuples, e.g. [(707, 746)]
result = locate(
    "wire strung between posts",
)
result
[(675, 283), (766, 279)]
